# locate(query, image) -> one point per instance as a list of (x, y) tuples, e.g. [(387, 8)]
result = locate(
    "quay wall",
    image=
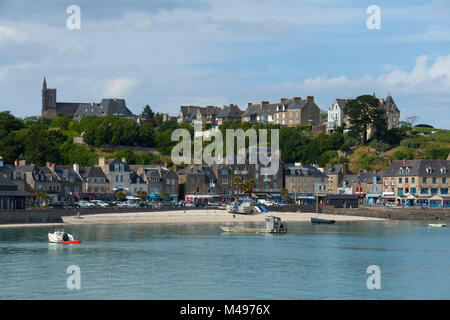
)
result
[(392, 213)]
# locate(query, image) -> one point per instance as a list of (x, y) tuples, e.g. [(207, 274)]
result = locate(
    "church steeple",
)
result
[(44, 85)]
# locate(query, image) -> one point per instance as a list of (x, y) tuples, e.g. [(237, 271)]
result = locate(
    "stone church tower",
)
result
[(48, 102)]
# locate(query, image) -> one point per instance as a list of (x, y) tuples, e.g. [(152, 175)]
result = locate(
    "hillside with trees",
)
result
[(52, 140)]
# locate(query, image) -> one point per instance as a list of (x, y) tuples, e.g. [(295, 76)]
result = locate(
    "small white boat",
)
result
[(273, 225), (59, 236), (437, 225)]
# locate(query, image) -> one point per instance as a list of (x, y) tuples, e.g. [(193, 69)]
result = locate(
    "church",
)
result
[(78, 110)]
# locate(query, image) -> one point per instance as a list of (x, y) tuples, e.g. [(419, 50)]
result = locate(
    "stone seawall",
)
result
[(55, 215), (393, 213), (29, 216)]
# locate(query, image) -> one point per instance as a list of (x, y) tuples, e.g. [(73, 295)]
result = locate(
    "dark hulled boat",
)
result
[(318, 220)]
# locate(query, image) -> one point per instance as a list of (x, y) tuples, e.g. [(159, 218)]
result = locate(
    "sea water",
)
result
[(199, 261)]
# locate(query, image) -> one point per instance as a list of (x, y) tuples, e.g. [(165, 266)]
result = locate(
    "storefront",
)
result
[(198, 198), (302, 198), (373, 198), (388, 197)]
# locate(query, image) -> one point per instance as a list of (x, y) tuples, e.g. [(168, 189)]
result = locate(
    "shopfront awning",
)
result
[(373, 195)]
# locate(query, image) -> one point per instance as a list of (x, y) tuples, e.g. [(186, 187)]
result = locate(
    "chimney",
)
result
[(76, 167), (283, 100), (124, 160), (297, 99), (310, 98), (249, 104), (345, 168), (263, 103), (101, 161)]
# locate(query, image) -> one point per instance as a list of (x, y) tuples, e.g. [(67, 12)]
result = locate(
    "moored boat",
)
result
[(437, 225), (59, 236), (273, 225), (318, 220)]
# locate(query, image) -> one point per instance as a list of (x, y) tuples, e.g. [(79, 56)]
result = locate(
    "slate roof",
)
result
[(66, 172), (86, 172), (115, 107), (367, 177), (336, 168), (418, 168), (230, 111)]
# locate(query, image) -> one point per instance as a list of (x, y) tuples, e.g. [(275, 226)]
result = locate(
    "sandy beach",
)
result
[(198, 216)]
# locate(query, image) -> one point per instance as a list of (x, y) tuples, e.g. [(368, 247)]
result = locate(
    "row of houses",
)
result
[(407, 183), (287, 112), (423, 183)]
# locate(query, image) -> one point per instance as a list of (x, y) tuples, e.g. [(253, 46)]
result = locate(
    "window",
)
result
[(434, 190), (413, 180), (434, 180), (423, 190), (400, 180), (424, 180), (444, 180), (412, 190), (406, 180), (444, 190), (400, 191)]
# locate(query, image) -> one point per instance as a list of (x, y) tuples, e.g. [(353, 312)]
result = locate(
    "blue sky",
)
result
[(168, 53)]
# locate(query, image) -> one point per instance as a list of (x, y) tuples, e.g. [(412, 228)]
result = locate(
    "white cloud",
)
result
[(118, 87), (8, 72), (421, 79)]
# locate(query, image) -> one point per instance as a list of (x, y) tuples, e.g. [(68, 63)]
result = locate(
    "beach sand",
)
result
[(199, 216)]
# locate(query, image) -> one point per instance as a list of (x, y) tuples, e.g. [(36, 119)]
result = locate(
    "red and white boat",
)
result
[(59, 236)]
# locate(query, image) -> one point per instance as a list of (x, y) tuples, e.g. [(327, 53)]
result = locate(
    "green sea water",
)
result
[(198, 261)]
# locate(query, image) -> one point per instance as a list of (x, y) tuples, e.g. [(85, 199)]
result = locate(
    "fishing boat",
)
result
[(59, 236), (273, 225), (318, 220), (437, 225)]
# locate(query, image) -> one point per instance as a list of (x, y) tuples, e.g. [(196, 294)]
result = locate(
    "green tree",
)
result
[(364, 114), (147, 113), (121, 195), (247, 186)]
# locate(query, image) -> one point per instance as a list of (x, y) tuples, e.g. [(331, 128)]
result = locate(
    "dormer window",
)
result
[(429, 170), (401, 169), (444, 170)]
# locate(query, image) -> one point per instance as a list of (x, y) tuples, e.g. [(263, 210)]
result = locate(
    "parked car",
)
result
[(84, 204), (56, 204), (128, 204), (99, 204), (70, 205), (214, 204), (190, 205), (200, 204)]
